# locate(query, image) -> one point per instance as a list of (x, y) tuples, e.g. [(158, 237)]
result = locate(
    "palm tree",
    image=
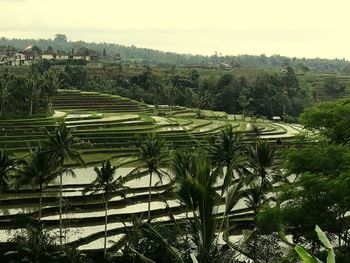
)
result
[(61, 147), (51, 83), (234, 194), (34, 87), (254, 198), (37, 172), (227, 151), (7, 164), (106, 183), (171, 94), (5, 92), (153, 155), (196, 181), (261, 157), (228, 146)]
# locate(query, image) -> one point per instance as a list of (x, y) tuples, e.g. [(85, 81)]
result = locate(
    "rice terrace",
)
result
[(174, 132), (112, 125)]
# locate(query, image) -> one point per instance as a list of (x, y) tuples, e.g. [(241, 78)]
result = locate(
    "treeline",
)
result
[(258, 92), (28, 95), (146, 56), (266, 94)]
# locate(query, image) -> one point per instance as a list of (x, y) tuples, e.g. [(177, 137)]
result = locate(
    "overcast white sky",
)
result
[(302, 28)]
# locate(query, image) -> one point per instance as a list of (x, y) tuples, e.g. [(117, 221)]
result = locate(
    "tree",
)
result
[(5, 92), (106, 183), (152, 153), (330, 119), (189, 97), (254, 199), (60, 38), (196, 189), (334, 87), (37, 172), (307, 258), (61, 147), (51, 83), (317, 193), (244, 100), (7, 165), (171, 94), (34, 88), (261, 158), (228, 146)]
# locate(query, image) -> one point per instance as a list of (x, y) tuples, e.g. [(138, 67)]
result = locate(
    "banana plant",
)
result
[(306, 257)]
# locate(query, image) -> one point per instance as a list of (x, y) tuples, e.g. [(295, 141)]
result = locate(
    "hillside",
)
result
[(147, 56)]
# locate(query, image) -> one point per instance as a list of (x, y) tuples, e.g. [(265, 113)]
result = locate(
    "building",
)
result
[(277, 118), (62, 56), (48, 55), (16, 59)]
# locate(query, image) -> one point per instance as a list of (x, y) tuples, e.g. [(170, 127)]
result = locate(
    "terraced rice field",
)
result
[(112, 125)]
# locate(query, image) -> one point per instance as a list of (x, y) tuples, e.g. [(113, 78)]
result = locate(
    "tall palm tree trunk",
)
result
[(40, 200), (31, 108), (61, 225), (1, 183), (106, 226), (2, 108), (149, 196), (50, 105)]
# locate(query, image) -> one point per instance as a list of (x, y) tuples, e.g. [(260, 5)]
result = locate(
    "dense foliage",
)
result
[(266, 94), (27, 95)]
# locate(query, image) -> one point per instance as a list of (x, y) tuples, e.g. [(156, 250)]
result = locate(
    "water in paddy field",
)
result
[(86, 176)]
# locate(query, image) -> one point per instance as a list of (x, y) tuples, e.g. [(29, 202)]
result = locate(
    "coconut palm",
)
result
[(228, 151), (106, 183), (33, 86), (196, 179), (61, 147), (37, 172), (261, 157), (153, 156), (5, 92), (7, 164), (51, 82), (171, 94), (255, 198), (234, 194), (228, 146)]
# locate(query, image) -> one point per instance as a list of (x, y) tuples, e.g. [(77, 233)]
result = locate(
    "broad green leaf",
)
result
[(193, 257), (303, 254), (323, 238)]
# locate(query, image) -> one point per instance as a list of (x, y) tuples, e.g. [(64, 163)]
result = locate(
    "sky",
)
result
[(299, 28)]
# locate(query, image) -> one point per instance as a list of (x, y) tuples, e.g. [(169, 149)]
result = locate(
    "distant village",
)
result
[(31, 53), (9, 56)]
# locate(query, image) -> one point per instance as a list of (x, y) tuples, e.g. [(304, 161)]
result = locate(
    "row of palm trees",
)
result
[(37, 86), (43, 166), (244, 173)]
